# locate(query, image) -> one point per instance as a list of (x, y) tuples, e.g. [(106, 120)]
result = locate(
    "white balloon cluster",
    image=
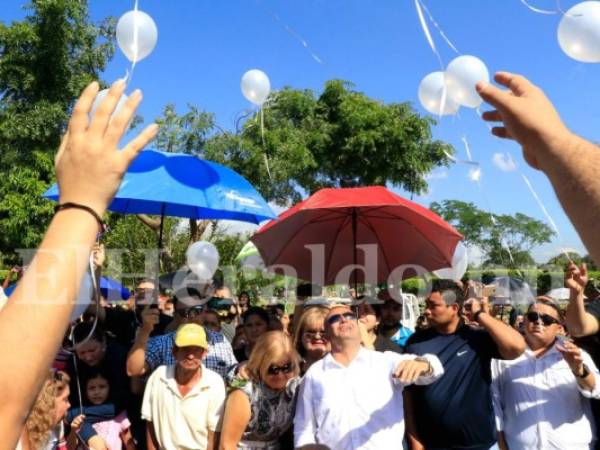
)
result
[(202, 259), (256, 86), (459, 264), (579, 32), (442, 93)]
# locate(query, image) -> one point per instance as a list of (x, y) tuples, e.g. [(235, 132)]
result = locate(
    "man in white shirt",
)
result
[(183, 403), (352, 398), (541, 399)]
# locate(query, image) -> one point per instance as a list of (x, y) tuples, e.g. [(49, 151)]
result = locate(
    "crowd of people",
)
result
[(329, 377)]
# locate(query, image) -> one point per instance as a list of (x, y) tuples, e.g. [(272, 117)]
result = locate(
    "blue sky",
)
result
[(205, 46)]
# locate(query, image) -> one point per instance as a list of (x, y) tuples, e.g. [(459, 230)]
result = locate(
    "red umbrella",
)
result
[(335, 224)]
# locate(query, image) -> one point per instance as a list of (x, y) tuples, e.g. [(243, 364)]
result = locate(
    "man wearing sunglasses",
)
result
[(456, 412), (352, 398), (541, 399), (149, 353)]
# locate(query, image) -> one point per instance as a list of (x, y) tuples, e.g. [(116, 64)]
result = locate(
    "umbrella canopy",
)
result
[(181, 185), (339, 222), (562, 293), (112, 290)]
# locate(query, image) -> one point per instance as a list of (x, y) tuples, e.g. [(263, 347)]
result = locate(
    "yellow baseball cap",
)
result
[(189, 335)]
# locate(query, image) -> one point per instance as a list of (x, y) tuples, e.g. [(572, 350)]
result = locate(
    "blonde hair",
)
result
[(311, 316), (271, 347), (40, 421)]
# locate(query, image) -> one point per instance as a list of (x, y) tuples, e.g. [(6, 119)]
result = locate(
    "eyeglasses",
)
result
[(190, 313), (314, 334), (546, 319), (276, 370), (337, 317)]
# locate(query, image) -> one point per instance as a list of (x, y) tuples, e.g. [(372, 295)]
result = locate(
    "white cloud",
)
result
[(475, 174), (504, 162)]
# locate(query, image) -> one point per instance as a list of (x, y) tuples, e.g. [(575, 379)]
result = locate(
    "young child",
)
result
[(115, 431)]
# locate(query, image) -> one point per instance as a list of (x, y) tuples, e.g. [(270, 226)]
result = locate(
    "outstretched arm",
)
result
[(569, 161), (89, 169)]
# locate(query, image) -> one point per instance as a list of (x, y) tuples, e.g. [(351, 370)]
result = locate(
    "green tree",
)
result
[(339, 138), (561, 260), (496, 236), (45, 61)]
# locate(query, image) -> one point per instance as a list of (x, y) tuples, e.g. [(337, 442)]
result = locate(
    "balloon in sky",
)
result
[(459, 264), (136, 35), (203, 259), (256, 86), (100, 96), (462, 74), (84, 297), (579, 32), (431, 93)]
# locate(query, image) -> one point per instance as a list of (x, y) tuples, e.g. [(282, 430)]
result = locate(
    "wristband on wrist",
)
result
[(71, 205)]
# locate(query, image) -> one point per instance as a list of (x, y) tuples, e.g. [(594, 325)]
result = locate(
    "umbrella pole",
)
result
[(355, 251), (160, 233)]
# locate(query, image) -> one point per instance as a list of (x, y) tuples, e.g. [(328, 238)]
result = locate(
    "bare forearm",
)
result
[(150, 438), (43, 300), (578, 321), (571, 165), (509, 341), (137, 355)]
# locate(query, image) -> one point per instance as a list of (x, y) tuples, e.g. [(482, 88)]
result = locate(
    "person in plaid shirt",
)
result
[(149, 353)]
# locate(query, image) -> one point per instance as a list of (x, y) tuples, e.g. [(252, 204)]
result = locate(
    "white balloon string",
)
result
[(292, 33), (538, 10), (427, 34), (546, 213), (438, 28), (262, 136)]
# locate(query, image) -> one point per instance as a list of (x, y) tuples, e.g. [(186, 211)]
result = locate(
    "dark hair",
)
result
[(256, 311), (95, 373), (83, 329), (309, 290), (450, 291), (548, 302), (244, 293)]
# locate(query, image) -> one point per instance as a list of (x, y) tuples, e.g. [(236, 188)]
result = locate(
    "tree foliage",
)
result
[(45, 61), (339, 138), (496, 236)]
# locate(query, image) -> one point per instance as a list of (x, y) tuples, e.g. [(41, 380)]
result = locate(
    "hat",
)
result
[(189, 335)]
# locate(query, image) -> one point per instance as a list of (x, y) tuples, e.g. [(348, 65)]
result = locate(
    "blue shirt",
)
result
[(159, 352), (401, 336), (456, 411)]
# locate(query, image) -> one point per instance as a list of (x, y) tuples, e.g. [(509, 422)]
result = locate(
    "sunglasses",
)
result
[(190, 313), (547, 320), (276, 370), (314, 334), (337, 317)]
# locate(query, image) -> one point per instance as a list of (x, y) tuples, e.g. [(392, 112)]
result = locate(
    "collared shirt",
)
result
[(539, 404), (183, 423), (159, 352), (359, 406)]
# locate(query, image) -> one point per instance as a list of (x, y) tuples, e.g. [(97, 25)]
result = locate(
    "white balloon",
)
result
[(462, 74), (100, 96), (579, 32), (460, 262), (256, 86), (136, 35), (202, 259), (84, 297), (431, 91)]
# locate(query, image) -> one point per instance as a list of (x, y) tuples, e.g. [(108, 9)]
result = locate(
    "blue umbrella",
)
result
[(112, 290), (180, 185)]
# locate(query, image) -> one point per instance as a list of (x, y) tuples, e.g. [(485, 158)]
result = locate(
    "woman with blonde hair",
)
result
[(309, 338), (44, 425), (260, 411)]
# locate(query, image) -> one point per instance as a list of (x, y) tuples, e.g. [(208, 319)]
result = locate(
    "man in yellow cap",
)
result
[(183, 402)]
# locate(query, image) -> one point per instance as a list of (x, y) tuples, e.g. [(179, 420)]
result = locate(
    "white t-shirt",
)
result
[(183, 423)]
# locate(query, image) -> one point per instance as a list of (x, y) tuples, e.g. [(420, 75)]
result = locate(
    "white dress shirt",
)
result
[(539, 404), (359, 406)]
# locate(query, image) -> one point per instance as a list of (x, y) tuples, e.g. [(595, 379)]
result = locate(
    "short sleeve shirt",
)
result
[(456, 411)]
